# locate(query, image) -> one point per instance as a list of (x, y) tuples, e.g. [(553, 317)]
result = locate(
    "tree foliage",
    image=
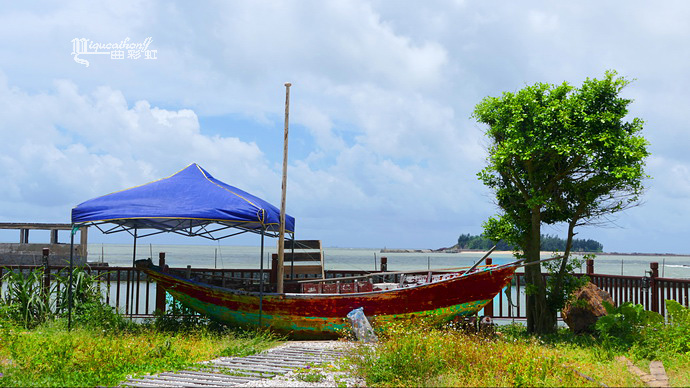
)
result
[(548, 243), (559, 154)]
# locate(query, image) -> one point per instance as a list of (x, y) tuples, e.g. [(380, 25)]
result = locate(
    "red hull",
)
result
[(324, 315)]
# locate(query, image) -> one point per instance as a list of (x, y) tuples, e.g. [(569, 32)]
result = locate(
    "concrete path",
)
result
[(233, 371)]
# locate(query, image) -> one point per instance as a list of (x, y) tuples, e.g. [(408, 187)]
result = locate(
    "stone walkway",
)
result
[(248, 371), (655, 378)]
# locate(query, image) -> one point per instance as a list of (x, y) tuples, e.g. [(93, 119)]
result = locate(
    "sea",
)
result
[(367, 259)]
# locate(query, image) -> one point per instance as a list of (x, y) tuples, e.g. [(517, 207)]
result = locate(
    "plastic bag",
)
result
[(360, 326)]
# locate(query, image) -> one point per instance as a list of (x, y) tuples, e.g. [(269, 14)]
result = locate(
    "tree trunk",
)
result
[(540, 318), (558, 287)]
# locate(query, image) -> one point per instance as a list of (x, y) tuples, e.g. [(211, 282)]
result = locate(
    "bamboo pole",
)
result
[(516, 264), (281, 231)]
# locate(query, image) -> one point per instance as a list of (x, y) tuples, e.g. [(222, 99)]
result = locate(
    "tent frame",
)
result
[(184, 227)]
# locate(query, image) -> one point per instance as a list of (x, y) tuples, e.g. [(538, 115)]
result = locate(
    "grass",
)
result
[(49, 355), (103, 348), (420, 355)]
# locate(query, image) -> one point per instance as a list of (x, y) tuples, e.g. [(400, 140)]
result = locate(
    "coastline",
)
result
[(455, 250)]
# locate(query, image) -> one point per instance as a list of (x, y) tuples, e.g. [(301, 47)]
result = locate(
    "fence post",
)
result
[(384, 267), (654, 286), (46, 273), (489, 308), (273, 277), (160, 291), (590, 267)]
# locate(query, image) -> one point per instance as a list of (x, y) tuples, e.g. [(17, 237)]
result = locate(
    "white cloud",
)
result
[(382, 92), (64, 147), (543, 22)]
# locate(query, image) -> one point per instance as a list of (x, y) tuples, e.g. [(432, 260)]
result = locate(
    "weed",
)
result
[(422, 356), (49, 355), (310, 375), (247, 343), (25, 300), (28, 302), (178, 317)]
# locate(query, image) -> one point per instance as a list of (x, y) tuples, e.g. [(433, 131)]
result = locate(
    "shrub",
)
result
[(624, 325), (27, 302), (666, 340), (644, 333)]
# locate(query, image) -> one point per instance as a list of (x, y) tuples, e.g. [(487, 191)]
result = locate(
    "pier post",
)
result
[(489, 308), (590, 267), (654, 286), (160, 291), (23, 236), (83, 242)]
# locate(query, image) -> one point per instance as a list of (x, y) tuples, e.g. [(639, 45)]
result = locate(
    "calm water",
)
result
[(224, 256)]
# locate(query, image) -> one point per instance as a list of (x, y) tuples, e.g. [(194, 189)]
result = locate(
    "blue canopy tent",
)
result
[(190, 203)]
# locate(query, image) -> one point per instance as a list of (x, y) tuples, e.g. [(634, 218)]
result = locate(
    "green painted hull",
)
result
[(313, 316)]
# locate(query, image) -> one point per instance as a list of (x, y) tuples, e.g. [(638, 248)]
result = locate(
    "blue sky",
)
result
[(383, 151)]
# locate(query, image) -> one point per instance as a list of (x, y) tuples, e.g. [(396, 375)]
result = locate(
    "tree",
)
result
[(558, 154), (463, 240)]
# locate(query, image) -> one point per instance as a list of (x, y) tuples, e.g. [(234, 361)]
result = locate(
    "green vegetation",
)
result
[(310, 375), (420, 354), (49, 355), (103, 348), (558, 155), (644, 333), (548, 243)]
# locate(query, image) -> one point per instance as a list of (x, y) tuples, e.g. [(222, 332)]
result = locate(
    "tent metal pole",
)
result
[(69, 291), (131, 280), (134, 251), (261, 277)]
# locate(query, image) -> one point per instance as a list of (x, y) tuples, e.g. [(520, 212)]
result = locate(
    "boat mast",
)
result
[(281, 231)]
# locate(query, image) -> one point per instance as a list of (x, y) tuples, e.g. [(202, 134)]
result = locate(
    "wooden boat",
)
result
[(314, 315)]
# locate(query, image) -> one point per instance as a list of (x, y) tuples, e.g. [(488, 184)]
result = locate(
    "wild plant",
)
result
[(85, 289), (665, 340), (179, 317), (625, 325), (28, 302), (25, 301)]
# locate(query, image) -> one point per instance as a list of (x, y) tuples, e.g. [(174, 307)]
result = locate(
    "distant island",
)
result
[(470, 243), (467, 242)]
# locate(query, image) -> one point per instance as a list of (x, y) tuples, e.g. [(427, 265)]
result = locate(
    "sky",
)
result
[(383, 151)]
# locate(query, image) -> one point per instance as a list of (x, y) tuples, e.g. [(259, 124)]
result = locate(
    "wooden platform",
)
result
[(232, 371)]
